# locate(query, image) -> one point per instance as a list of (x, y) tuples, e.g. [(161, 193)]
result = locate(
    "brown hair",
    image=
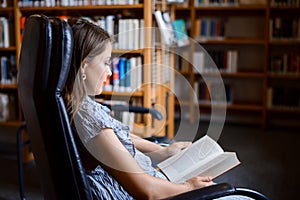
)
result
[(89, 40)]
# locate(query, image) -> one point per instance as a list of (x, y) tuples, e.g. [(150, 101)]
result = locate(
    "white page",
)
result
[(214, 167), (199, 152)]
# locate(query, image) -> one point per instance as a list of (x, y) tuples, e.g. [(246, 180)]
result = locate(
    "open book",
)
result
[(204, 157)]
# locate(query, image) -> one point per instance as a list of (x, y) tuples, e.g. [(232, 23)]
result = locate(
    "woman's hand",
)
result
[(199, 182), (174, 148), (164, 152)]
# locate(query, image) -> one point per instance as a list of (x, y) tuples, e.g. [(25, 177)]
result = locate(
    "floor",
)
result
[(270, 162)]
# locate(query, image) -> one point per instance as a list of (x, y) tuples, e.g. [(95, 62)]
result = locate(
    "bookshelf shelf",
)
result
[(285, 8), (245, 41), (126, 51), (249, 107), (8, 86), (6, 10), (124, 94), (244, 75), (234, 107), (11, 123), (183, 7), (285, 42), (237, 74), (231, 7), (283, 110), (11, 48), (293, 76)]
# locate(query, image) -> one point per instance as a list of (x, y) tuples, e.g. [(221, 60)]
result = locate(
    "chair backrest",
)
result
[(44, 65)]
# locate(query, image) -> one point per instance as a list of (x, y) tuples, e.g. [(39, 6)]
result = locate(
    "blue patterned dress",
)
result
[(89, 121), (91, 118)]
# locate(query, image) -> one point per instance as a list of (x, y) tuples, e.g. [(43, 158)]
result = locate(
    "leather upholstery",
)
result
[(44, 64)]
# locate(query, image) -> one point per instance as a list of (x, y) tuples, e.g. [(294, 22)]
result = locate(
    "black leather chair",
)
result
[(44, 65)]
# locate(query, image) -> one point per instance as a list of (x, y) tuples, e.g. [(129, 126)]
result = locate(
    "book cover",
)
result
[(165, 27), (180, 31), (121, 67)]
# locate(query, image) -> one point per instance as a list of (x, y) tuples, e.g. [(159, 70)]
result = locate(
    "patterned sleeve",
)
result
[(90, 120)]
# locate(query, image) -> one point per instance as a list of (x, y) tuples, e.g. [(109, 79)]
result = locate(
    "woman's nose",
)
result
[(108, 71)]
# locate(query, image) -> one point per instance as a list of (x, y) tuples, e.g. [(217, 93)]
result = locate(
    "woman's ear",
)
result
[(83, 67)]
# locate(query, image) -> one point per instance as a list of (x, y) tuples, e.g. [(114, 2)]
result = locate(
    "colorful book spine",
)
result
[(121, 67)]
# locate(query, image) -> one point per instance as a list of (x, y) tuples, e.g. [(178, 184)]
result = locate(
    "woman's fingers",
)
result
[(205, 178), (200, 181)]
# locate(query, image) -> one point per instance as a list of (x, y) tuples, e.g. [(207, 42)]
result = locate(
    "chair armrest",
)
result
[(250, 193), (135, 109), (210, 192), (217, 191)]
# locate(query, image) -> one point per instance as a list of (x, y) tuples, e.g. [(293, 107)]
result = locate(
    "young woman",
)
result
[(122, 167)]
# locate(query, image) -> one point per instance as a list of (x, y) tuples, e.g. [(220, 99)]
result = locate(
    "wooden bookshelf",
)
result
[(287, 78), (11, 48), (7, 86), (256, 73), (140, 11), (124, 94)]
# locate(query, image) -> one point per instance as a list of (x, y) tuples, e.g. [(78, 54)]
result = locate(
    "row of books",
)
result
[(4, 32), (215, 2), (211, 93), (51, 3), (285, 28), (285, 97), (128, 33), (285, 63), (210, 28), (224, 61), (174, 33), (127, 74), (285, 3), (8, 71)]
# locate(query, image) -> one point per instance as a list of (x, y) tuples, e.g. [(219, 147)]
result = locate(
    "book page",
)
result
[(182, 163), (214, 167)]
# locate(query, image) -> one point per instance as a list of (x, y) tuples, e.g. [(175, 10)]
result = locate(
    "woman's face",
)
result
[(97, 71)]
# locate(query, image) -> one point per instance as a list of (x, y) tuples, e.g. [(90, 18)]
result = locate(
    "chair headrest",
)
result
[(37, 41), (59, 72)]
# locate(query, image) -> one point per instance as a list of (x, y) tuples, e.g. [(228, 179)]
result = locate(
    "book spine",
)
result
[(127, 76), (116, 74), (4, 104), (141, 32), (121, 67), (4, 32), (4, 75)]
